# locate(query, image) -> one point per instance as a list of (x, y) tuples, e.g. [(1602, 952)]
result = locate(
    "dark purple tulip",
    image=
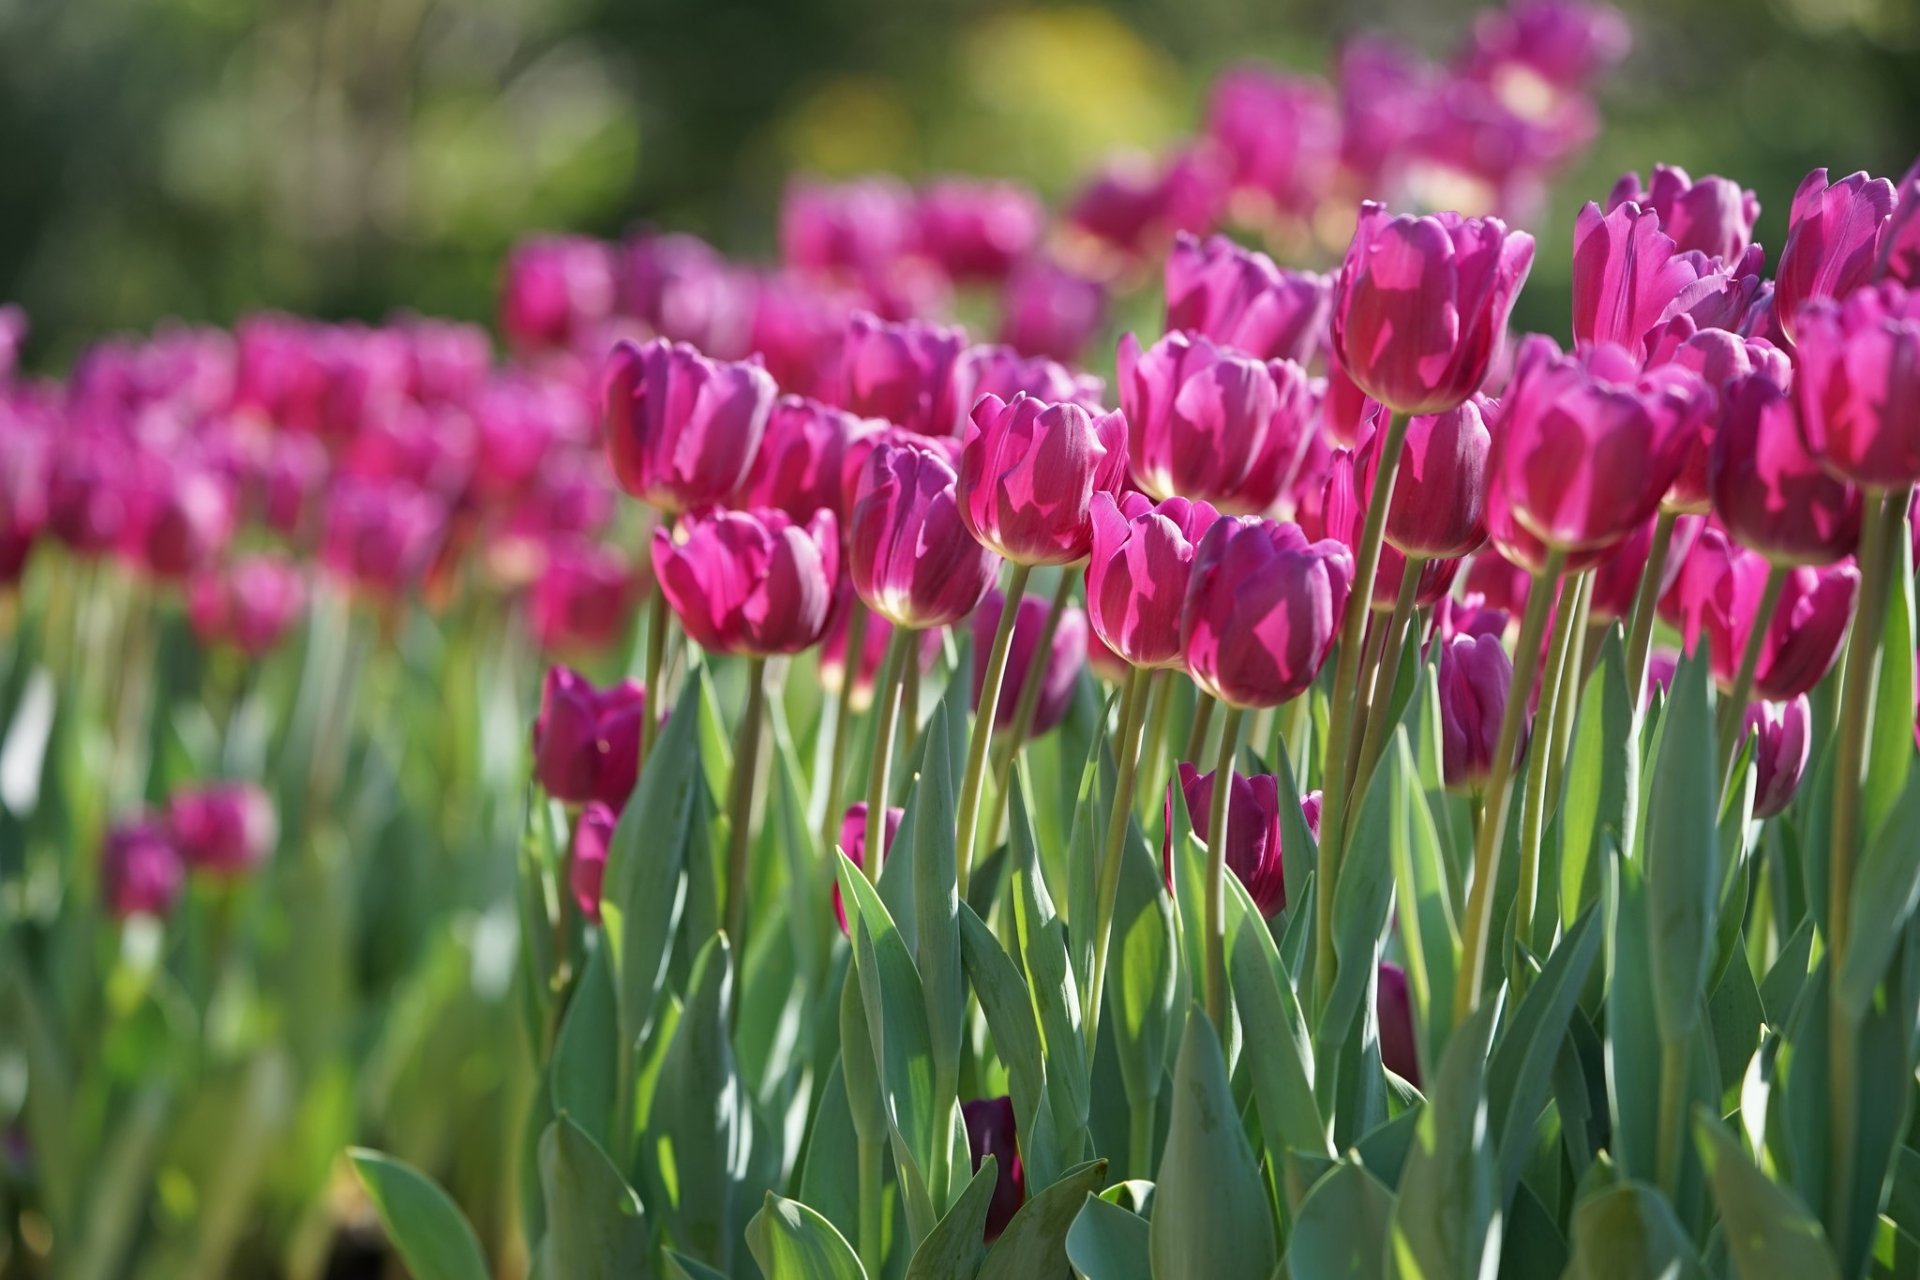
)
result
[(1057, 669), (140, 869), (853, 843), (991, 1132), (1475, 674), (586, 741), (1254, 852), (226, 829), (587, 868), (1395, 1013), (1779, 733)]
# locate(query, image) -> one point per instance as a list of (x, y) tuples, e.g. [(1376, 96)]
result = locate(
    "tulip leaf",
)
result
[(789, 1239), (1279, 1053), (1886, 888), (585, 1057), (426, 1227), (1143, 970), (1890, 746), (1301, 851), (1633, 1034), (937, 920), (1361, 902), (1108, 1242), (1210, 1213), (596, 1228), (1446, 1215), (1339, 1226), (681, 1267), (952, 1249), (830, 1172), (1016, 1037), (1041, 937), (1768, 1230), (1628, 1232), (1432, 941), (1035, 1241), (1682, 864), (1602, 780)]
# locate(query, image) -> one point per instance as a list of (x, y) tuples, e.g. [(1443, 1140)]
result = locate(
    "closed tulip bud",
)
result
[(1780, 737), (586, 741), (1474, 676), (381, 535), (1559, 44), (1588, 446), (1833, 241), (991, 1132), (1471, 614), (994, 370), (902, 372), (583, 597), (684, 290), (799, 466), (1262, 609), (1440, 494), (225, 830), (1421, 305), (909, 553), (1131, 207), (1137, 575), (1253, 853), (587, 866), (1773, 495), (250, 604), (977, 230), (750, 582), (853, 843), (681, 429), (1858, 384), (1712, 215), (1029, 472), (1056, 670), (799, 330), (181, 523), (141, 873), (557, 290), (1239, 299), (1394, 1012), (1050, 310)]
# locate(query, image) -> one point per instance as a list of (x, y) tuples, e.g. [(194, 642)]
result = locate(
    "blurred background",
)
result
[(345, 158)]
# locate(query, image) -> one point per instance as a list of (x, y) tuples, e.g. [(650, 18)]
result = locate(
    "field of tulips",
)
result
[(747, 780)]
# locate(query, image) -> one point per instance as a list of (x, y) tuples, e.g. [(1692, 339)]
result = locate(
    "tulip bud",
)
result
[(1239, 299), (991, 1132), (1779, 734), (1469, 615), (1833, 241), (1254, 852), (1262, 609), (1342, 517), (684, 290), (799, 330), (182, 523), (1720, 358), (1029, 472), (1712, 216), (909, 553), (250, 604), (751, 582), (1137, 575), (976, 230), (557, 290), (1440, 493), (1132, 206), (226, 829), (1004, 372), (1858, 384), (902, 372), (1421, 305), (140, 869), (682, 430), (1772, 495), (1629, 277), (1394, 1012), (1057, 670), (587, 867), (1474, 676), (853, 843), (583, 598), (798, 468), (586, 741), (1049, 310)]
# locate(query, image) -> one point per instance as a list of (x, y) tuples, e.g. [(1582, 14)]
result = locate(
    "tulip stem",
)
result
[(1345, 707), (1202, 721), (1385, 676), (842, 721), (886, 707), (1493, 822), (1539, 756), (1646, 599), (1159, 707), (872, 1251), (1673, 1116), (746, 758), (658, 620), (909, 703), (1032, 680), (968, 818), (1573, 683), (1126, 763), (1141, 1121), (1216, 915), (1735, 707)]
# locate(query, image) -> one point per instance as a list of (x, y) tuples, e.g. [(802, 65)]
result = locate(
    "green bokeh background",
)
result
[(344, 158)]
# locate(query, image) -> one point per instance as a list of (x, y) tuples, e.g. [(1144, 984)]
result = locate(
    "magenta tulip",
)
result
[(1858, 384), (683, 289), (798, 468), (1616, 579), (991, 1131), (1254, 852), (249, 604), (995, 370), (682, 430), (908, 549), (852, 227), (583, 597), (1779, 732), (1050, 310), (1716, 597), (226, 829), (1262, 609), (1772, 495), (381, 535), (902, 372), (1057, 670), (1394, 1012), (1421, 305), (1349, 416), (141, 872), (853, 843), (1440, 494), (976, 230), (1135, 204), (1029, 472), (1833, 241), (1474, 675), (1137, 575), (587, 864), (1900, 242), (1342, 517), (1107, 666), (1281, 136), (1712, 215), (586, 741), (750, 582), (1558, 44), (1629, 277), (1720, 358), (800, 331), (557, 290), (1239, 299)]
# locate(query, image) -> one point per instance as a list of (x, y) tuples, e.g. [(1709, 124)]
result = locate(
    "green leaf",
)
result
[(1628, 1232), (1210, 1213), (1360, 904), (1016, 1037), (586, 1055), (1446, 1217), (1035, 1241), (1768, 1230), (1682, 864), (1602, 780), (790, 1240), (1886, 888), (1143, 970), (681, 1267), (596, 1229), (1107, 1242), (1633, 1036), (829, 1177), (426, 1227), (1339, 1227), (1041, 939), (1890, 745), (952, 1249), (937, 923), (1432, 942), (1279, 1053), (1296, 839)]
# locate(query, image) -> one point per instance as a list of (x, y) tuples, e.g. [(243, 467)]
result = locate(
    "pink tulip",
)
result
[(991, 1131), (851, 227), (1616, 579), (587, 863), (1833, 241), (1135, 204), (583, 599), (557, 290), (1900, 242), (1262, 609), (1781, 741), (1858, 385), (750, 582), (1398, 1052), (1712, 215), (181, 524), (1772, 495), (1280, 134), (1029, 472), (1474, 676), (977, 230), (249, 604), (225, 830), (1440, 494), (1254, 852), (902, 372), (1629, 277), (1342, 517), (1421, 305), (1050, 310), (1137, 575), (586, 741), (1720, 358), (141, 872), (853, 843), (799, 466), (684, 290), (909, 552), (381, 536), (799, 330), (1057, 670), (682, 430), (1564, 44), (1001, 371), (1470, 614), (1239, 299)]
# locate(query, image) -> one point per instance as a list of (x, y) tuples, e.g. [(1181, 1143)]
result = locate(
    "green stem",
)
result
[(909, 703), (1159, 708), (968, 818), (659, 618), (746, 759), (1216, 898), (1140, 1134), (1204, 703), (1673, 1115), (1645, 600), (1032, 681), (1734, 709), (1573, 683), (841, 723), (1493, 823), (1534, 800), (886, 707), (872, 1207), (1132, 718), (1385, 674), (1345, 706)]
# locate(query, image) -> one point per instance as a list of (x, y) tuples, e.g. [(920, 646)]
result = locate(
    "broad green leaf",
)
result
[(1296, 839), (681, 1267), (1432, 942), (789, 1239), (1016, 1038), (1602, 780), (1278, 1054), (596, 1229), (1530, 1243), (586, 1055), (952, 1249), (1360, 904), (1628, 1232), (1735, 1015), (1041, 940), (1633, 1034), (1446, 1215), (1768, 1230), (829, 1175), (1890, 745), (426, 1227), (1682, 872), (937, 923), (1781, 987), (1340, 1227), (1035, 1242), (1886, 888), (1107, 1242), (1210, 1213), (1143, 970)]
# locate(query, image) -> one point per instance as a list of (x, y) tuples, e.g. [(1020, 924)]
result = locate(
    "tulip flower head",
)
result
[(1254, 852), (1029, 472), (977, 230), (799, 466), (1833, 241), (1394, 1011), (141, 872), (249, 604), (853, 843), (586, 741), (1474, 676), (1779, 733), (1137, 575), (1237, 298), (1050, 310), (750, 582), (1858, 383), (909, 552), (583, 598), (682, 430), (991, 1132), (226, 829), (587, 861), (902, 372), (1629, 277), (1768, 490), (1262, 609), (1713, 216)]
